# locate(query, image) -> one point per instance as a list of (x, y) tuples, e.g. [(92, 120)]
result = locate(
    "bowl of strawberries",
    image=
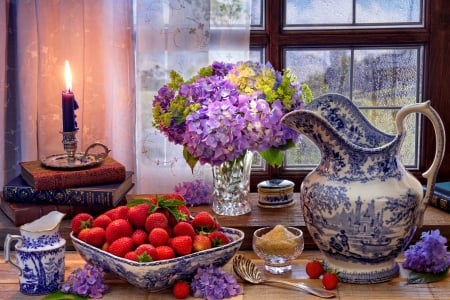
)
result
[(154, 241)]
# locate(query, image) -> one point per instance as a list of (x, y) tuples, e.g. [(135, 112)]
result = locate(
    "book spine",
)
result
[(63, 197), (51, 181), (440, 201)]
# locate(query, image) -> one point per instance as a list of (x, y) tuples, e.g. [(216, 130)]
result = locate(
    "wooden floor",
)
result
[(259, 217)]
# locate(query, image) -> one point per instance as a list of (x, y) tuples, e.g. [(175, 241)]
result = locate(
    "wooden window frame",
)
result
[(434, 36)]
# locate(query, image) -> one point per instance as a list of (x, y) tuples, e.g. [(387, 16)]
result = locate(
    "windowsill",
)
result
[(258, 217)]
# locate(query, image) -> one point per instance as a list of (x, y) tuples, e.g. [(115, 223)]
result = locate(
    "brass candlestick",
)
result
[(73, 160), (70, 143)]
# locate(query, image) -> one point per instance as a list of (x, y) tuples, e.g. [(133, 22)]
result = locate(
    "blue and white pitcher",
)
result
[(39, 255), (360, 204)]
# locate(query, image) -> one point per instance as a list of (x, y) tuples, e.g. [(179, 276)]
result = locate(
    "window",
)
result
[(374, 52)]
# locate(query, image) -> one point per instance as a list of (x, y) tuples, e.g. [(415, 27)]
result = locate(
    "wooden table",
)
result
[(397, 288), (258, 217)]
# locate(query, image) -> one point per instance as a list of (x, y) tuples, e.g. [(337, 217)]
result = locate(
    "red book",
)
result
[(42, 178)]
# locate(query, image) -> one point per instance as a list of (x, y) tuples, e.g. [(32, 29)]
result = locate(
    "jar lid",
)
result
[(276, 184)]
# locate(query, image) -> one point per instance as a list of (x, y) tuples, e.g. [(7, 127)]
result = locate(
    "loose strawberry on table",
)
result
[(330, 281), (181, 289), (314, 269)]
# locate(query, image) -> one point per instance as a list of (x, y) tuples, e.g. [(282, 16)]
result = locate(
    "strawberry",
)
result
[(95, 236), (158, 237), (182, 245), (131, 256), (181, 289), (314, 269), (218, 238), (183, 228), (118, 228), (146, 253), (119, 212), (81, 221), (139, 237), (164, 252), (182, 214), (330, 281), (201, 242), (83, 234), (121, 246), (102, 220), (156, 220), (138, 214), (204, 222)]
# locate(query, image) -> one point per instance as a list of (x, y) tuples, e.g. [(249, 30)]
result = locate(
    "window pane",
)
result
[(324, 70), (388, 11), (257, 19), (306, 12), (386, 77), (326, 14), (378, 80)]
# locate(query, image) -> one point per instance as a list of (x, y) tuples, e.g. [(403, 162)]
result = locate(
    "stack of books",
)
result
[(441, 196), (39, 190)]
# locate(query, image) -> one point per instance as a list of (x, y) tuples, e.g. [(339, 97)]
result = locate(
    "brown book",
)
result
[(21, 213), (42, 178)]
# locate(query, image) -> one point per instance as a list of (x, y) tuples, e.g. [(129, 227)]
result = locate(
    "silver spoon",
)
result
[(249, 272)]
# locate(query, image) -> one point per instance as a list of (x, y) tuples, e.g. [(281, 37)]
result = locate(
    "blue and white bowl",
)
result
[(159, 275)]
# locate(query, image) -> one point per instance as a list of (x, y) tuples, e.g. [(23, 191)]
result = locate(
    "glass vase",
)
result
[(231, 182)]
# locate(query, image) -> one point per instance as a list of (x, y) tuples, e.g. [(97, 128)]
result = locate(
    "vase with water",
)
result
[(360, 204), (231, 181), (38, 255)]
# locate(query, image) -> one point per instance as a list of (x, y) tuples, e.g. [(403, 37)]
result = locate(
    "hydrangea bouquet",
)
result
[(227, 109)]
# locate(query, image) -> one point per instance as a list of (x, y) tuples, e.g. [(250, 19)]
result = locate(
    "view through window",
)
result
[(353, 50)]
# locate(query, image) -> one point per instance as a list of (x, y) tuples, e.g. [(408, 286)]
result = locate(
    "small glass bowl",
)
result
[(278, 246)]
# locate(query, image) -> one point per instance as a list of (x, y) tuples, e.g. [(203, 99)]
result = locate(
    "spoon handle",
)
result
[(302, 287)]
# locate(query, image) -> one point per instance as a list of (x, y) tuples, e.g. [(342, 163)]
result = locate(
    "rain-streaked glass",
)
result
[(378, 80), (352, 13)]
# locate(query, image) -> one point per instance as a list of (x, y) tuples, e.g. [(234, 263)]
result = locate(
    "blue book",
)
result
[(441, 196), (19, 191)]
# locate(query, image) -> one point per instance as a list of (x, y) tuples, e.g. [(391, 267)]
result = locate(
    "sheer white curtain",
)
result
[(106, 49), (183, 36)]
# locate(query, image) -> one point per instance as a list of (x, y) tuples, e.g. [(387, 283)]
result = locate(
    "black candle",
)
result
[(69, 104)]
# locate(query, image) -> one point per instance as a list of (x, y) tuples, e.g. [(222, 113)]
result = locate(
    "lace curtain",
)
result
[(107, 45)]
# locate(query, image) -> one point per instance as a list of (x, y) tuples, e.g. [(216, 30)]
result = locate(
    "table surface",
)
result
[(397, 288)]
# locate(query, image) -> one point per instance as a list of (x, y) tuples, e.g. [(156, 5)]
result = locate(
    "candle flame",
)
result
[(68, 75)]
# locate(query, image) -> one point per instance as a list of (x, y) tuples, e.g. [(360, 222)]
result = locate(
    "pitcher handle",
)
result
[(439, 131), (8, 240)]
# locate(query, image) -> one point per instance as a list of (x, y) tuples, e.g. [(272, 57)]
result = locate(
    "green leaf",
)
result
[(273, 156), (190, 159), (63, 296), (422, 277)]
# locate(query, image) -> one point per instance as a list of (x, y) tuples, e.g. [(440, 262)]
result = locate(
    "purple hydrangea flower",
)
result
[(227, 109), (213, 283), (428, 255), (195, 192), (86, 282)]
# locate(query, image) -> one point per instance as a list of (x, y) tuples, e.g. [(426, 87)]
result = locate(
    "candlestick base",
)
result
[(78, 161), (73, 160)]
